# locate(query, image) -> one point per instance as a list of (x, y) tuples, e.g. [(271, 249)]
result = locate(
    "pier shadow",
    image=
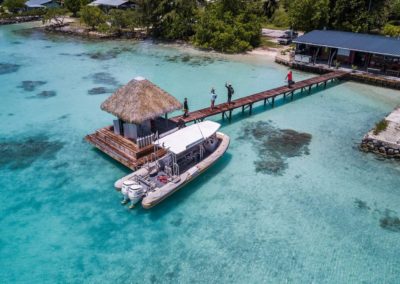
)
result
[(259, 107), (174, 201)]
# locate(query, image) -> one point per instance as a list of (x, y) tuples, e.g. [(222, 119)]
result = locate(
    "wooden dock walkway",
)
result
[(267, 97), (128, 153), (123, 149)]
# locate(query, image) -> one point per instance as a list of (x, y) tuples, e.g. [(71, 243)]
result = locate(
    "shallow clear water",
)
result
[(315, 213)]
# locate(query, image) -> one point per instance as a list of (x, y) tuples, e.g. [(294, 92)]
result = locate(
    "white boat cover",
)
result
[(112, 3), (187, 137)]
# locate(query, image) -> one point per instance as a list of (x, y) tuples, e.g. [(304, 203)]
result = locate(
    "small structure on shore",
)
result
[(112, 4), (372, 53), (384, 139), (33, 4), (141, 109)]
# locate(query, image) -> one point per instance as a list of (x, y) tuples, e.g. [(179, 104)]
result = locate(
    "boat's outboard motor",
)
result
[(124, 190), (211, 144), (135, 193)]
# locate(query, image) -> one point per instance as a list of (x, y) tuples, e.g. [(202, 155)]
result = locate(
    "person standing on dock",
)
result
[(185, 108), (289, 78), (230, 92), (213, 98)]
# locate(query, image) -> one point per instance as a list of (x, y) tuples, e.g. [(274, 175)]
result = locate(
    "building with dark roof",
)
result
[(374, 53)]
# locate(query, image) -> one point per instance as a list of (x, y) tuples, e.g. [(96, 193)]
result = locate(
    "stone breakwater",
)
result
[(379, 147), (17, 20), (386, 142)]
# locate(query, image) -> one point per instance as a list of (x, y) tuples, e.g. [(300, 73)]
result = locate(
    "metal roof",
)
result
[(36, 3), (353, 41), (112, 3)]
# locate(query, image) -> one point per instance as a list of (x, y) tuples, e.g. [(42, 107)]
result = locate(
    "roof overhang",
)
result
[(339, 47)]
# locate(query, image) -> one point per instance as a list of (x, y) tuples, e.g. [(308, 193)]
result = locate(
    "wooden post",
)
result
[(223, 115), (230, 115), (242, 108), (291, 95), (273, 101), (251, 108), (265, 102), (284, 96), (325, 84), (309, 89)]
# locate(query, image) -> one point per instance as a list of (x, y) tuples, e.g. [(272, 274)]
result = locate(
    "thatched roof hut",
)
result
[(140, 100)]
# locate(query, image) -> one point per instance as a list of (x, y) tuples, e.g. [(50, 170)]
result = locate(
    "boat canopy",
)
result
[(185, 138)]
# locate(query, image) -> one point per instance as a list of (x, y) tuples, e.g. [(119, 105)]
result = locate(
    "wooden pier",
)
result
[(128, 153), (268, 97), (123, 149)]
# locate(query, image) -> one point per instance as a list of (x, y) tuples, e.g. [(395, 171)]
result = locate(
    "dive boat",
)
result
[(190, 151)]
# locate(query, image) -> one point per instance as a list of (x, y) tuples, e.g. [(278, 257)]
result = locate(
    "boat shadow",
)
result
[(175, 200)]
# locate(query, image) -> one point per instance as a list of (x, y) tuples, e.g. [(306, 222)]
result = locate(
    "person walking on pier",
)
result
[(213, 98), (289, 78), (230, 92), (185, 108)]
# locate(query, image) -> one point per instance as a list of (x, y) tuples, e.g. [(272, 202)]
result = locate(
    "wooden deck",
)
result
[(122, 149), (267, 97), (129, 154)]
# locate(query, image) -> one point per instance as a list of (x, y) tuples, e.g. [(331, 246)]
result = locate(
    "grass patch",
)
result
[(267, 42), (272, 26), (380, 126)]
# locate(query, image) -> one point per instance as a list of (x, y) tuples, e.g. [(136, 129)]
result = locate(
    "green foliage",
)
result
[(14, 6), (229, 26), (269, 7), (92, 16), (73, 6), (391, 30), (123, 19), (174, 19), (55, 15), (380, 126), (281, 18), (360, 15), (307, 15)]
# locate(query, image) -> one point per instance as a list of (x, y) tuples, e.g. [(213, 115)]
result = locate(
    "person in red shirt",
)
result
[(289, 78)]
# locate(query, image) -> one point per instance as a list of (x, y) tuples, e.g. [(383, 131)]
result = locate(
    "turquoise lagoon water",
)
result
[(270, 211)]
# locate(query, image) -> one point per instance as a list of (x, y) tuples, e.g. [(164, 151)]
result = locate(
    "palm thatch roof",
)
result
[(140, 100)]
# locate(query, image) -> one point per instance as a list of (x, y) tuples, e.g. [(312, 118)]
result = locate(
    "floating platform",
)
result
[(123, 149)]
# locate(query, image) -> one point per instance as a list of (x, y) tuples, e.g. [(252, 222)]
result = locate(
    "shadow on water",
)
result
[(176, 199), (238, 116), (115, 163)]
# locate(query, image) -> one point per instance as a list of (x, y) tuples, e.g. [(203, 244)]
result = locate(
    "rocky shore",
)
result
[(84, 32), (385, 143), (17, 20)]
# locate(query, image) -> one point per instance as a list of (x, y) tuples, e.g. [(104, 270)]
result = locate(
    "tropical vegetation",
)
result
[(231, 25)]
